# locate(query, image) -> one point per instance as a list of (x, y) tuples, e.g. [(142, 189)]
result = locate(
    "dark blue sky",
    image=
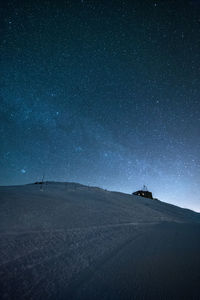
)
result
[(104, 93)]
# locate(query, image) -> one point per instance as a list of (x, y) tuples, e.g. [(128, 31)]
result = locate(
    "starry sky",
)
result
[(104, 93)]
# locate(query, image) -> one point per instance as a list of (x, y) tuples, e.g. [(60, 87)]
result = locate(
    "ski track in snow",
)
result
[(36, 249), (89, 244), (21, 232)]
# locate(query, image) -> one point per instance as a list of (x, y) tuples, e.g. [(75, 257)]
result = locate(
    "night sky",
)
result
[(104, 93)]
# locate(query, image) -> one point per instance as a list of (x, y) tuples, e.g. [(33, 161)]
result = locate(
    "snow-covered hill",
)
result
[(69, 241), (71, 205)]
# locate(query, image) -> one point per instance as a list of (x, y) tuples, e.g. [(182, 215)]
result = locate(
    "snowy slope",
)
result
[(71, 241), (69, 205)]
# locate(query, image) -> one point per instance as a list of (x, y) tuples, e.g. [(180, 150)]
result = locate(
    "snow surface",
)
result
[(69, 241)]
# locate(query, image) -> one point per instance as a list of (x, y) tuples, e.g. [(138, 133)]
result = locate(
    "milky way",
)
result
[(103, 93)]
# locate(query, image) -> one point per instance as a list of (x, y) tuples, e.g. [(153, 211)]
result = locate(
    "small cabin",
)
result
[(144, 193)]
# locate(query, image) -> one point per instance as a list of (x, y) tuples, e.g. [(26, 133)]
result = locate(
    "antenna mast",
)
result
[(145, 188), (42, 182)]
